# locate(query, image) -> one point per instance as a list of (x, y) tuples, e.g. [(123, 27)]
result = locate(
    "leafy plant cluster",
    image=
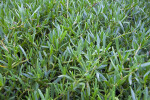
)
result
[(75, 49)]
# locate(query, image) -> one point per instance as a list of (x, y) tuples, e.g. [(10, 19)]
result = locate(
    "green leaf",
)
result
[(146, 96), (146, 76), (99, 75), (104, 41), (35, 11), (130, 79), (98, 41), (41, 94), (88, 88), (1, 81), (66, 76), (121, 26), (23, 51), (144, 64), (108, 46), (133, 94), (63, 36), (47, 96), (117, 44)]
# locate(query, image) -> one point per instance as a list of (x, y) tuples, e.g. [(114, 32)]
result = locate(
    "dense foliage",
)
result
[(75, 49)]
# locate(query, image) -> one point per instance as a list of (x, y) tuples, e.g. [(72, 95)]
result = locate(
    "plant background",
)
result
[(74, 49)]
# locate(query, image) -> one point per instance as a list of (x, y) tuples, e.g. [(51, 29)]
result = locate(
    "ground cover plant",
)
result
[(74, 50)]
